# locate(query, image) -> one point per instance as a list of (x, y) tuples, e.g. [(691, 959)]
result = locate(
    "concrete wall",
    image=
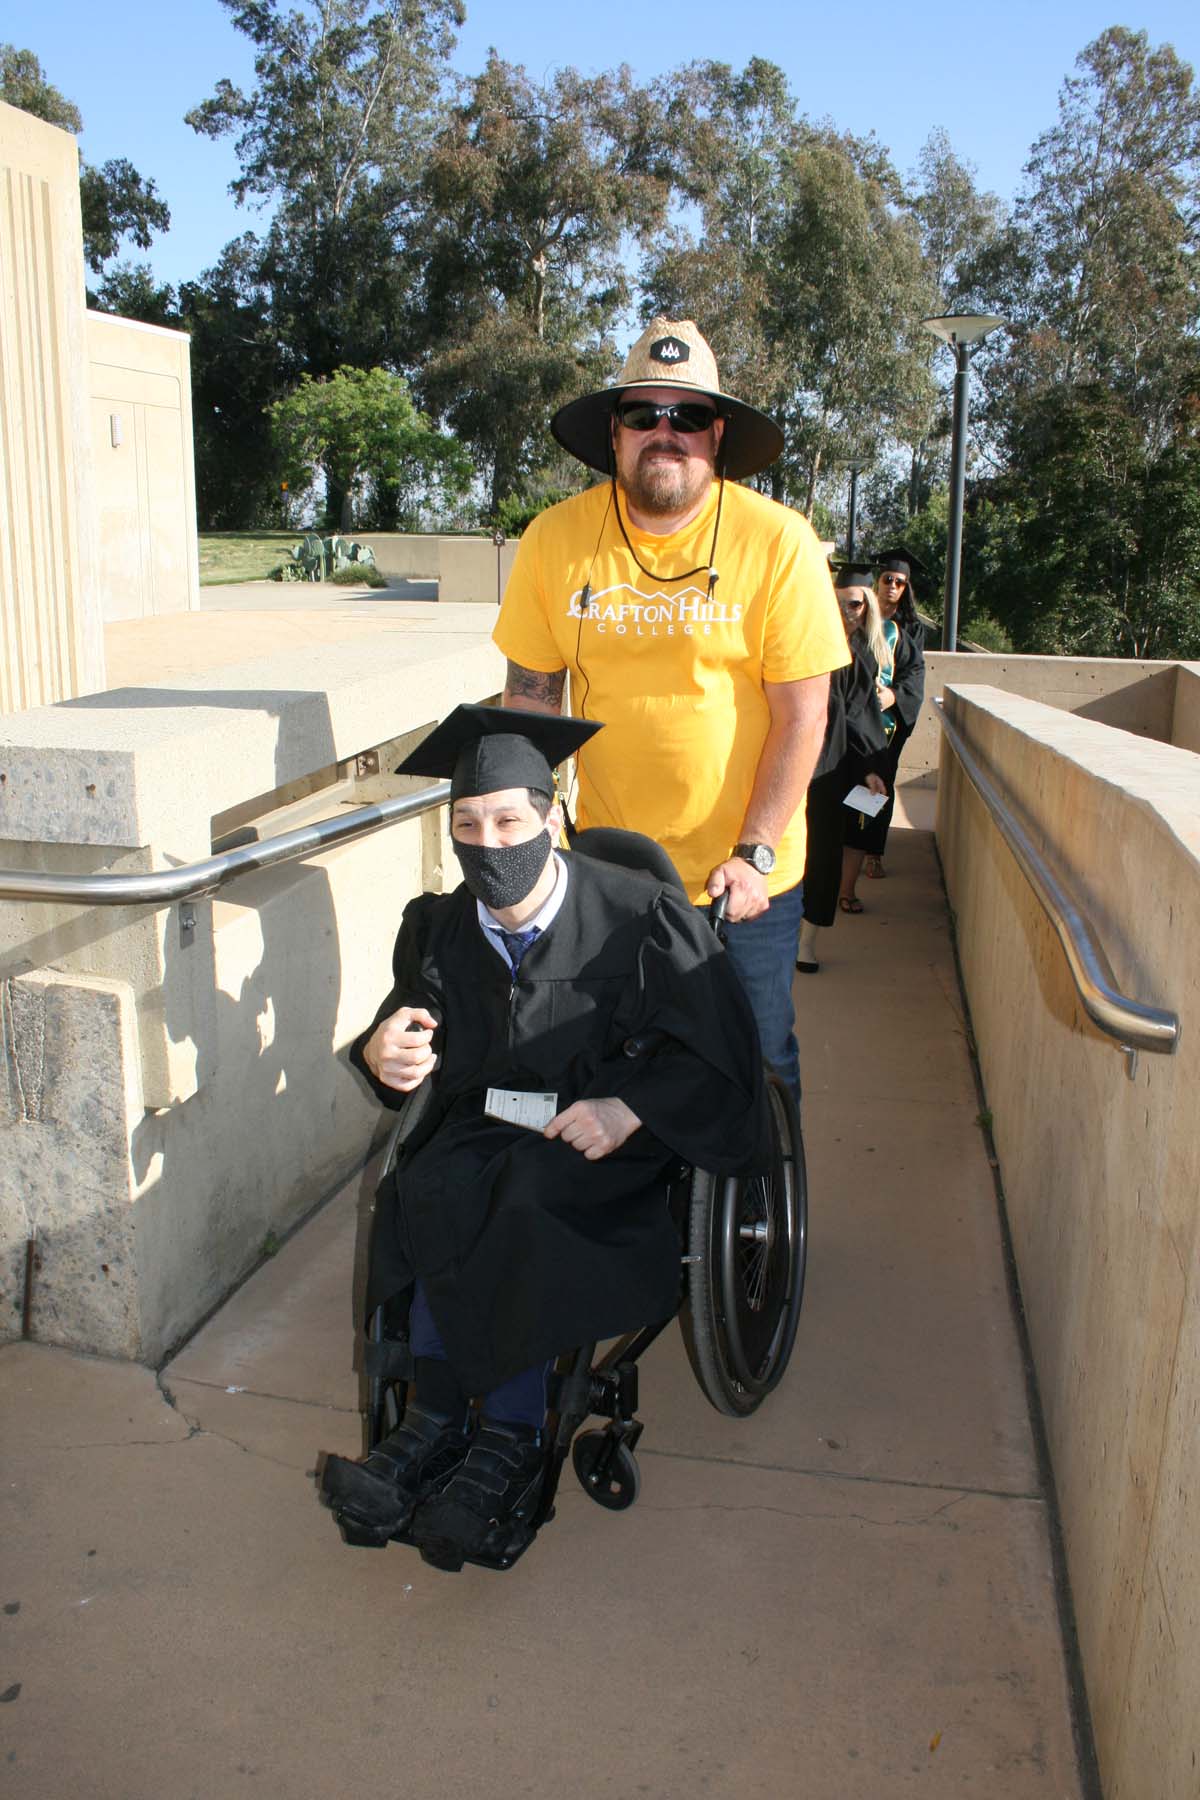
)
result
[(1136, 696), (405, 556), (474, 570), (51, 644), (1185, 722), (1102, 1182), (172, 1090), (140, 386), (465, 567)]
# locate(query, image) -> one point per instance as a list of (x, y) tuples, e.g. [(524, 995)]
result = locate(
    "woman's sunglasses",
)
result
[(853, 605), (686, 416)]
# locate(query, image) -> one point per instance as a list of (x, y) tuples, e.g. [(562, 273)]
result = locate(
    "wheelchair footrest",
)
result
[(450, 1559), (362, 1537)]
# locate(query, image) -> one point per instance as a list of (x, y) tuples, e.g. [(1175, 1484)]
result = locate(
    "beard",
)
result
[(662, 481)]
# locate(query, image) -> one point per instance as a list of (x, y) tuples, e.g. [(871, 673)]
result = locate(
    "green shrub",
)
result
[(359, 575), (518, 510)]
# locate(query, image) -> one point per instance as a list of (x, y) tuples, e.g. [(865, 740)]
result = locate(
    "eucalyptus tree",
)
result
[(238, 368), (793, 254), (531, 192), (850, 294), (1096, 395), (955, 222), (332, 137), (728, 136), (330, 141)]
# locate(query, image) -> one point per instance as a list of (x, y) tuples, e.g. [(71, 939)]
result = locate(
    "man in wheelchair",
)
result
[(578, 1033)]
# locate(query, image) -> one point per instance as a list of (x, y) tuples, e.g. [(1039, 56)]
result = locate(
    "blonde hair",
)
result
[(872, 629), (871, 623)]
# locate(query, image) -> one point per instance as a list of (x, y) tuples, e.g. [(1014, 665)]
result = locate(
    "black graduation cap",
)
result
[(852, 574), (486, 748), (900, 561)]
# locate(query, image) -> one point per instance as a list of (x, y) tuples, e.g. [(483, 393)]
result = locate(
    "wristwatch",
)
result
[(759, 856)]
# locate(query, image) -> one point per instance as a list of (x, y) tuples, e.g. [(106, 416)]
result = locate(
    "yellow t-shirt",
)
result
[(676, 678)]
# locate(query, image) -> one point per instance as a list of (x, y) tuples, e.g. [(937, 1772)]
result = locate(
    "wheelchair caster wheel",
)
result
[(607, 1470)]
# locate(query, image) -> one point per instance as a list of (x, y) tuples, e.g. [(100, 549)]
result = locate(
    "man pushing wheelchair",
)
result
[(579, 1033)]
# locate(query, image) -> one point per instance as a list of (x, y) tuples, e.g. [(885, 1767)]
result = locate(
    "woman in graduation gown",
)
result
[(854, 747), (902, 675)]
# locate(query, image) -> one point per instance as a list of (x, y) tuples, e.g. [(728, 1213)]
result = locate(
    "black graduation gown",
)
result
[(908, 680), (525, 1248), (908, 686), (855, 742)]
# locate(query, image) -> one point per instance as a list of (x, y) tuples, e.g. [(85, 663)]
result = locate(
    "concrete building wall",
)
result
[(1102, 1182), (173, 1082), (51, 643), (140, 388)]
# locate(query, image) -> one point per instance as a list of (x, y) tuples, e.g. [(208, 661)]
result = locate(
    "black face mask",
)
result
[(501, 875)]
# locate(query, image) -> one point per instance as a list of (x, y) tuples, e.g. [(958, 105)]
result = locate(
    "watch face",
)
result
[(759, 856)]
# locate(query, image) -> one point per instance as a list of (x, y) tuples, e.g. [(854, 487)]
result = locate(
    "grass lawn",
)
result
[(243, 555)]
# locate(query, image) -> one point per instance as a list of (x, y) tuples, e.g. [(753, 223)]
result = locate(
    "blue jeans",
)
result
[(763, 952), (521, 1400)]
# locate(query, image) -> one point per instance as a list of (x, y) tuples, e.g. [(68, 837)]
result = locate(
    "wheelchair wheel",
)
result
[(608, 1473), (747, 1250)]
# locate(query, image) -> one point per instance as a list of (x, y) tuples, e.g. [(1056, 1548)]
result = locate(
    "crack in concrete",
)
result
[(221, 1387), (114, 1444), (805, 1514), (197, 1430), (960, 1490)]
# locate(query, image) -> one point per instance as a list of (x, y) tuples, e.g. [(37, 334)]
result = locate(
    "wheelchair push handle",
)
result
[(648, 1043)]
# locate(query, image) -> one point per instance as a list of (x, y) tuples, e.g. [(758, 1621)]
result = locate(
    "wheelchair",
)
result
[(744, 1256)]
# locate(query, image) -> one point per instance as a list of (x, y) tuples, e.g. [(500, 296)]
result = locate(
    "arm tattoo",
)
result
[(531, 684)]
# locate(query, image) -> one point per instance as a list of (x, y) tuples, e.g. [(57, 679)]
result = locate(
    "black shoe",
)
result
[(483, 1512), (807, 968), (375, 1498)]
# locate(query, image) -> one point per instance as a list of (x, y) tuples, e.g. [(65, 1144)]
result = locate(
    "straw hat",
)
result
[(670, 353)]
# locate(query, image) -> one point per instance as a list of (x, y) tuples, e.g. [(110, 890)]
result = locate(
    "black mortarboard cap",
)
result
[(896, 557), (486, 748), (852, 574)]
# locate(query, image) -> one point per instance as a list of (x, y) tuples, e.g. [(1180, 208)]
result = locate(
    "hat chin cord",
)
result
[(614, 505), (708, 568)]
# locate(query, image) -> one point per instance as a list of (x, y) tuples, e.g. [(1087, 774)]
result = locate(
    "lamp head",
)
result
[(962, 328)]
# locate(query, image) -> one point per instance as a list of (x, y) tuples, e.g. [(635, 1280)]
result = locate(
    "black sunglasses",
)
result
[(853, 605), (686, 416)]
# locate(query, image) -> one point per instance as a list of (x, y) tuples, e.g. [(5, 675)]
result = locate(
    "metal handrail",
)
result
[(1135, 1025), (195, 880)]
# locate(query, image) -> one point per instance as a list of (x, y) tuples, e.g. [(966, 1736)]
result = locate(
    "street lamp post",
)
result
[(960, 331), (856, 469)]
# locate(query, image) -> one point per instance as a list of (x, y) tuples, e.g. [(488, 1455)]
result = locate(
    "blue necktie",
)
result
[(516, 943)]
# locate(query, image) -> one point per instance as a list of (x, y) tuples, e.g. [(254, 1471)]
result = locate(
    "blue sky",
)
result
[(991, 83)]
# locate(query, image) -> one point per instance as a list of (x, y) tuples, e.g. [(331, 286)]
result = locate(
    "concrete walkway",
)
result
[(847, 1597)]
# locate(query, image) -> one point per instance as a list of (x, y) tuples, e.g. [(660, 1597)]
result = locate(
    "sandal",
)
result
[(873, 868), (849, 903)]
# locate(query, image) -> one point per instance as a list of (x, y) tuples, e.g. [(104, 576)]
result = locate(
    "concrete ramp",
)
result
[(849, 1596)]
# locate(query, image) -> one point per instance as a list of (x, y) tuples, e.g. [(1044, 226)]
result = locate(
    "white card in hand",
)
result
[(861, 799), (534, 1111)]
